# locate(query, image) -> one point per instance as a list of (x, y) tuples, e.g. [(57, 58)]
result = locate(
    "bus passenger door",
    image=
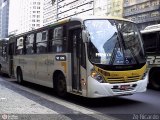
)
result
[(11, 52), (75, 37), (158, 39)]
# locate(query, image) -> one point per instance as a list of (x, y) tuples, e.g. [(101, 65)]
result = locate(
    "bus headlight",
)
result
[(97, 76)]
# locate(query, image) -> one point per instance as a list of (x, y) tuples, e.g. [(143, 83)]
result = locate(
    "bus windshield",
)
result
[(114, 42)]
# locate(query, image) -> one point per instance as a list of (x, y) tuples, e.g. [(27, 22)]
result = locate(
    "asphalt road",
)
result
[(140, 106)]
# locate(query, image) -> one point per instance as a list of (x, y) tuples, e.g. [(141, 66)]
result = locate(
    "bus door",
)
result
[(158, 38), (11, 52), (4, 59), (75, 39)]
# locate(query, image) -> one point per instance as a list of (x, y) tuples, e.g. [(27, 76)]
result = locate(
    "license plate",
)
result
[(124, 87)]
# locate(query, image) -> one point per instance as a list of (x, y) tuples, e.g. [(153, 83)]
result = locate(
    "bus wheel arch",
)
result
[(154, 75), (59, 83), (19, 75)]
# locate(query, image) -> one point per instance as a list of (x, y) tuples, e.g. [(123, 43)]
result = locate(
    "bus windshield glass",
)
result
[(114, 42)]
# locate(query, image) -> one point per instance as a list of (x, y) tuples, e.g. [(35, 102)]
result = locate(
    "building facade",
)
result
[(143, 12), (100, 7), (4, 18), (25, 15), (66, 8), (49, 12), (0, 17), (115, 8)]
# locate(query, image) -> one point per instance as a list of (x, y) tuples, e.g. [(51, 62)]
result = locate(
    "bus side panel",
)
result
[(4, 65), (41, 70), (27, 65), (55, 63)]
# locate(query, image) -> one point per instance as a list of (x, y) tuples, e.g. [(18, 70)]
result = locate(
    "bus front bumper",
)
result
[(96, 89)]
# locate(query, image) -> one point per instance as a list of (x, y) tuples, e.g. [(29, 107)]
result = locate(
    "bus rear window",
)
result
[(150, 42)]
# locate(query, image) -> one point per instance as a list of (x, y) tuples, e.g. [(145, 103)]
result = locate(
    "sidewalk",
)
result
[(22, 103)]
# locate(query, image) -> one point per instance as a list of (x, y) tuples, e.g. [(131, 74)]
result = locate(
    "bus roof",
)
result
[(152, 27), (150, 30), (75, 18), (82, 18), (5, 39)]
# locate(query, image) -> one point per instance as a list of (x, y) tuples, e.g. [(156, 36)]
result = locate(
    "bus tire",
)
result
[(60, 85), (19, 76), (154, 80)]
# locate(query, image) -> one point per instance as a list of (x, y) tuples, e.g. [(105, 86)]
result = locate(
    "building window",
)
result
[(154, 14), (38, 25)]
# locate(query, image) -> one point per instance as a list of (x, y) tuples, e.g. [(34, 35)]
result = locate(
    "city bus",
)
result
[(3, 56), (91, 57), (151, 38), (6, 62)]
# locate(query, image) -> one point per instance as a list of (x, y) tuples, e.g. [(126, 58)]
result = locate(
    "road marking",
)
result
[(2, 98)]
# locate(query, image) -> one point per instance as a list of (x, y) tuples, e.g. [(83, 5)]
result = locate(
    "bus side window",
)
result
[(57, 42), (29, 44), (4, 51), (150, 42), (19, 49), (41, 42), (0, 49), (50, 38)]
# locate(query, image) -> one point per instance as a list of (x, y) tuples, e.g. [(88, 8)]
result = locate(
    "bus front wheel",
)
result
[(60, 85), (19, 76), (154, 80)]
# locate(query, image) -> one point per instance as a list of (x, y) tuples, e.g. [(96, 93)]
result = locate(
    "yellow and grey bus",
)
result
[(91, 57), (3, 56), (6, 60), (151, 38)]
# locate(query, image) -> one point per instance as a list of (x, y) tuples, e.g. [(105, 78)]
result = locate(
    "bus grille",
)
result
[(123, 79)]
